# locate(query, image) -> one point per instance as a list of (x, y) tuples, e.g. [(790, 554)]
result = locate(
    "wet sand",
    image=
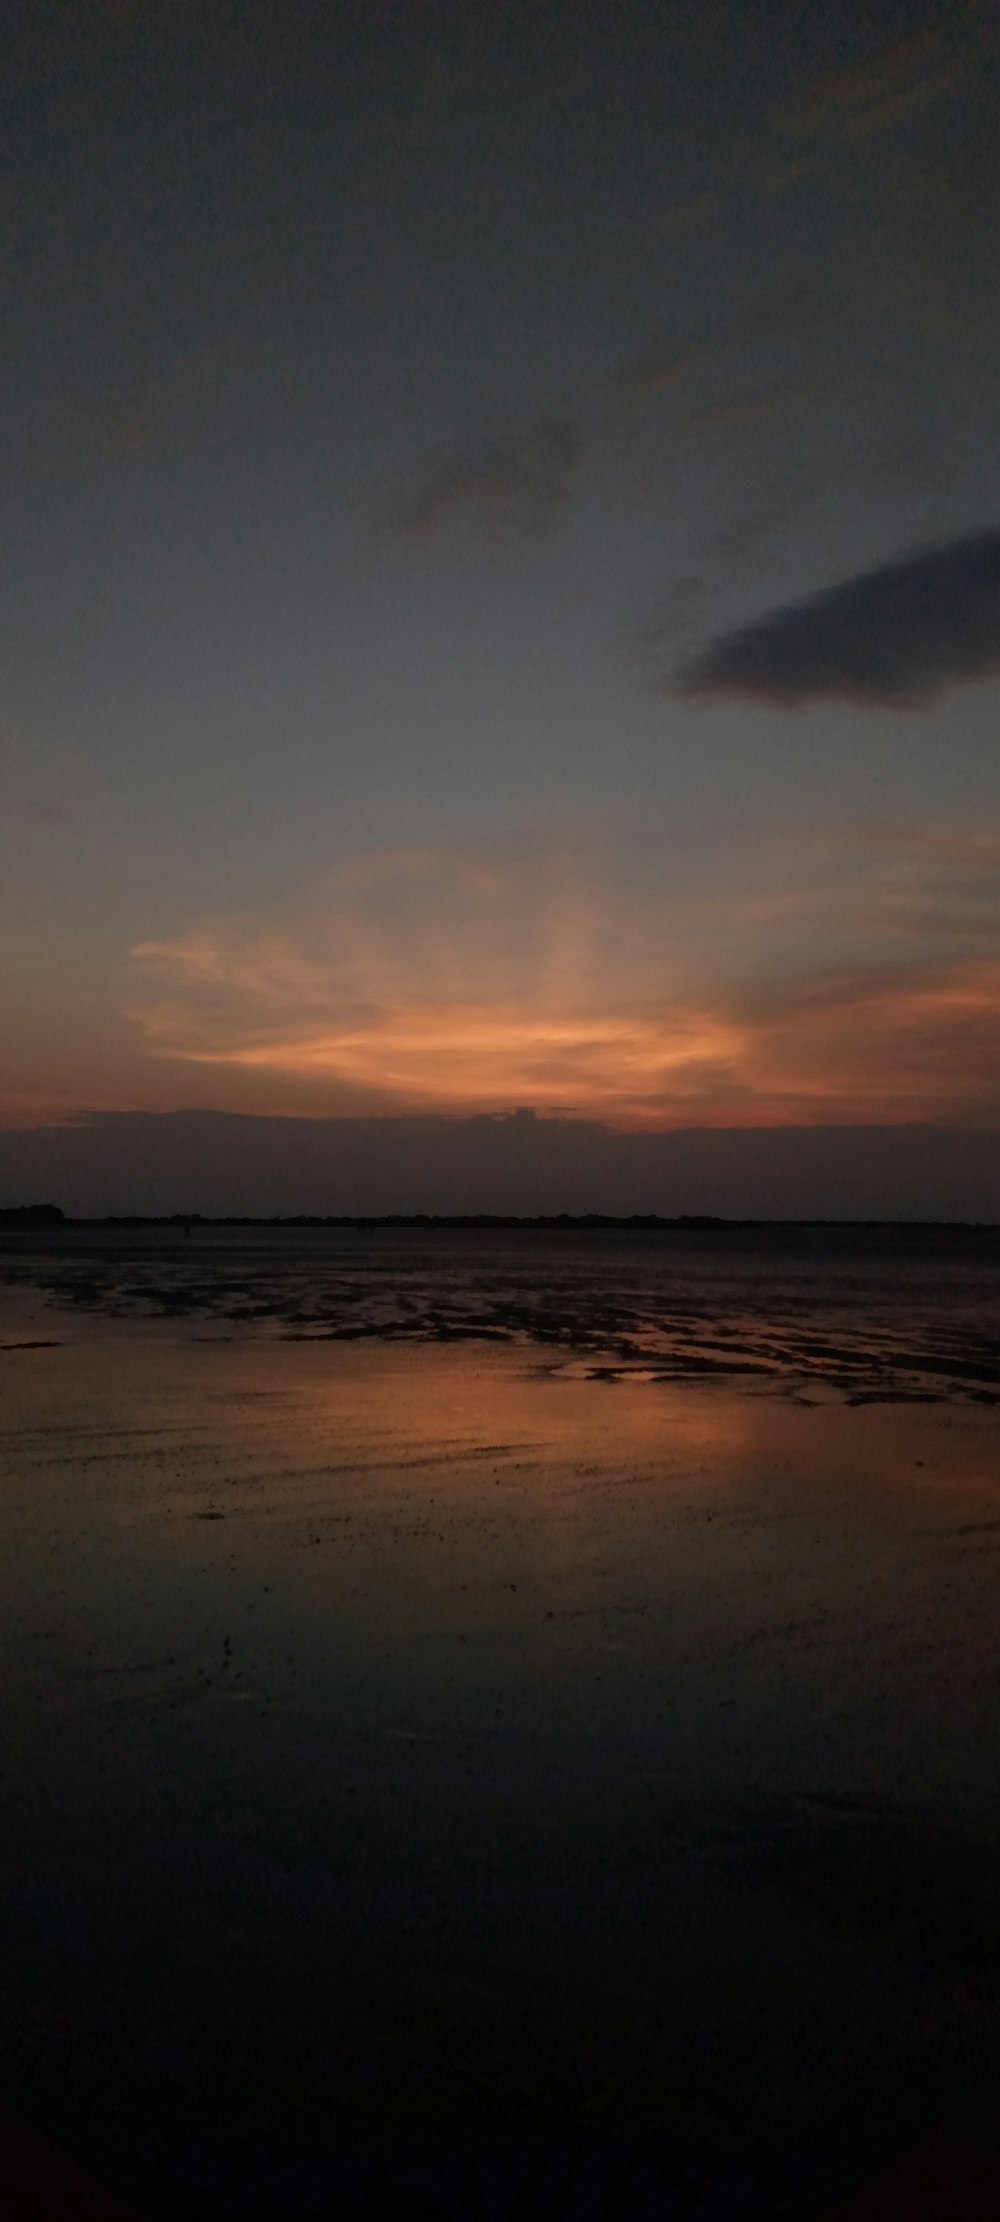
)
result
[(487, 1768)]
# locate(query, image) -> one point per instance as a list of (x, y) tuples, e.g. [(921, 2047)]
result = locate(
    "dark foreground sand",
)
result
[(434, 1766), (951, 2175), (41, 2183), (955, 2171)]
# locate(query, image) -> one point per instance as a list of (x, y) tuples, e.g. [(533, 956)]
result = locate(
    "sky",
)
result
[(502, 575)]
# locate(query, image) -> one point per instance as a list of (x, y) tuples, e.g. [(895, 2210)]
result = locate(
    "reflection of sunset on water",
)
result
[(401, 1467)]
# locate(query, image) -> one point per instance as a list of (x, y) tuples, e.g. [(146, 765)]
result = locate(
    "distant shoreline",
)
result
[(40, 1218)]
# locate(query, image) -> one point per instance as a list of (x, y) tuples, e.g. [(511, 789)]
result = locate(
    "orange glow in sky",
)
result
[(455, 982)]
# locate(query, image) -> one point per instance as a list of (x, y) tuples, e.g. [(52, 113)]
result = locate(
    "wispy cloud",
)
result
[(514, 488), (131, 421), (672, 366), (687, 214), (660, 370), (895, 637), (856, 976), (734, 411), (44, 813), (918, 1041), (517, 488), (884, 88)]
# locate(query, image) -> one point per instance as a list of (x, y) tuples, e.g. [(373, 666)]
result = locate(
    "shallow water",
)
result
[(495, 1742), (873, 1313)]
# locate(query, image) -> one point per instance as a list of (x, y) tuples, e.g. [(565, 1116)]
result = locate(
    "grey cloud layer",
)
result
[(895, 637)]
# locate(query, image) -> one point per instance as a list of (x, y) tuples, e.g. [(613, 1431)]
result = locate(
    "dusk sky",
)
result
[(502, 574)]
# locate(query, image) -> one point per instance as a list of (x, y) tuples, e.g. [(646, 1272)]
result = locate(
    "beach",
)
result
[(521, 1710)]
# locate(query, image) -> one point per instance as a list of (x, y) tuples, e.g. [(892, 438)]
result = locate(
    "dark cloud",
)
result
[(895, 637), (514, 487), (217, 1162)]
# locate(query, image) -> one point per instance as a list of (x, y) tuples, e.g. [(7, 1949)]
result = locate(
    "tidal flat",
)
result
[(498, 1722)]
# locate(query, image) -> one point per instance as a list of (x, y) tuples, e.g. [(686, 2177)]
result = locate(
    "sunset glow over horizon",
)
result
[(496, 619), (448, 981)]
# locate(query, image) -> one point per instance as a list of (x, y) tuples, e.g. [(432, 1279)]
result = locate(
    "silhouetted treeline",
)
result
[(652, 1222), (458, 1219), (31, 1215)]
